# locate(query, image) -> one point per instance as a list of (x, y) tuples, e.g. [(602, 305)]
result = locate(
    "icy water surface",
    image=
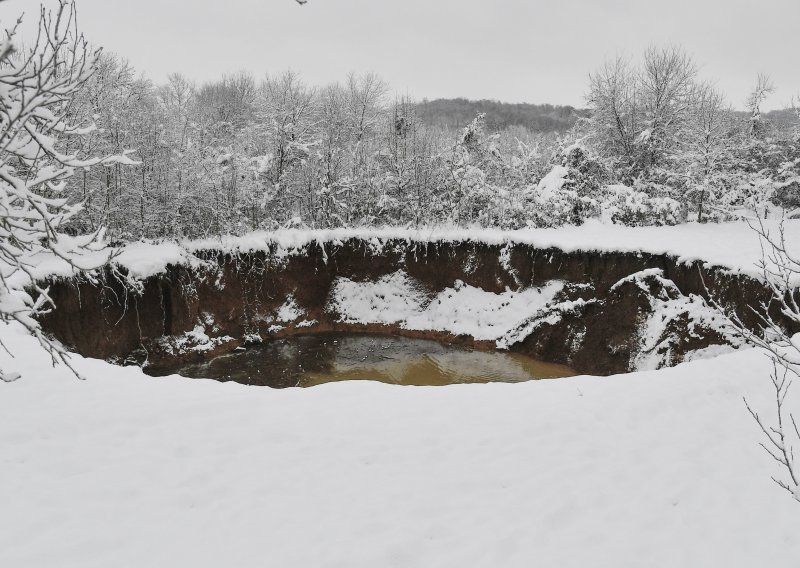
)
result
[(311, 360)]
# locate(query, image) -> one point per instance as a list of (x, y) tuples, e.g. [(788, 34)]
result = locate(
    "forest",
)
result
[(656, 145)]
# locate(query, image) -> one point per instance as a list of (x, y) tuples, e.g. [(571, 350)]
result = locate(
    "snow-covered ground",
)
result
[(732, 245), (657, 469)]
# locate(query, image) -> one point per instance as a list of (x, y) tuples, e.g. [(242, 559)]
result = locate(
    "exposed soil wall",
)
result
[(113, 321)]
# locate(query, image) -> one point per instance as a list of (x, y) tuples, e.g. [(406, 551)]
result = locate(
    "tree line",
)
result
[(656, 145)]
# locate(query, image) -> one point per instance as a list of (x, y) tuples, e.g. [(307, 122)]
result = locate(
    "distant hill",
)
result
[(457, 113), (783, 118)]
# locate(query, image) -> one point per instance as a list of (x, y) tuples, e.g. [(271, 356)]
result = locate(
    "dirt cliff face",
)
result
[(232, 300)]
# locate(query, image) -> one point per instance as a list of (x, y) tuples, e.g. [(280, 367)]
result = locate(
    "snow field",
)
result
[(656, 469)]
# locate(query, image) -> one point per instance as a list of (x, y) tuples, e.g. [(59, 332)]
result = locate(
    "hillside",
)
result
[(456, 113), (544, 118)]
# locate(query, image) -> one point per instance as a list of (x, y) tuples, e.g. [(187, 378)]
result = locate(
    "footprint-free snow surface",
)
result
[(656, 469)]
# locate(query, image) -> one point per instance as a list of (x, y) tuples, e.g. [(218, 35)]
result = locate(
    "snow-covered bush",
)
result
[(787, 187), (587, 172), (553, 203), (627, 206)]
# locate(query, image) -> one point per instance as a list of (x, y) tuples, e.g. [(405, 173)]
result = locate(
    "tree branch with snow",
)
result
[(36, 87), (780, 268)]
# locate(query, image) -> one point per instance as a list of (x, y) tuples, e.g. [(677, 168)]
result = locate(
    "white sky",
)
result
[(511, 50)]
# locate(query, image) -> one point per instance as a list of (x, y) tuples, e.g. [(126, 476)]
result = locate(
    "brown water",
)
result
[(311, 360)]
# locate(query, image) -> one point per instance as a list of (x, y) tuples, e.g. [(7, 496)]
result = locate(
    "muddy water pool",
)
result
[(306, 361)]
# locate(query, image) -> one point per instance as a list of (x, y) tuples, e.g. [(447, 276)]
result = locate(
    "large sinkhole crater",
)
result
[(483, 311)]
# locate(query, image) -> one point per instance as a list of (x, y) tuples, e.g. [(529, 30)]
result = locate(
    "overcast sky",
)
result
[(511, 50)]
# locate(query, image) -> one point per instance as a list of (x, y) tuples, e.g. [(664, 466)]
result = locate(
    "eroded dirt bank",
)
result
[(616, 311)]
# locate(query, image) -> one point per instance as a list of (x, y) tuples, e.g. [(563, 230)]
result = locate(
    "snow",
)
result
[(252, 338), (388, 300), (654, 354), (552, 182), (289, 311), (656, 469), (460, 310), (466, 310), (733, 246), (197, 340), (668, 307), (143, 260), (551, 314)]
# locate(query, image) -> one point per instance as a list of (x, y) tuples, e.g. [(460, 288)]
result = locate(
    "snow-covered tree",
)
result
[(666, 89), (287, 115), (707, 149), (616, 125), (469, 188), (36, 88), (407, 158), (762, 89), (638, 112)]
